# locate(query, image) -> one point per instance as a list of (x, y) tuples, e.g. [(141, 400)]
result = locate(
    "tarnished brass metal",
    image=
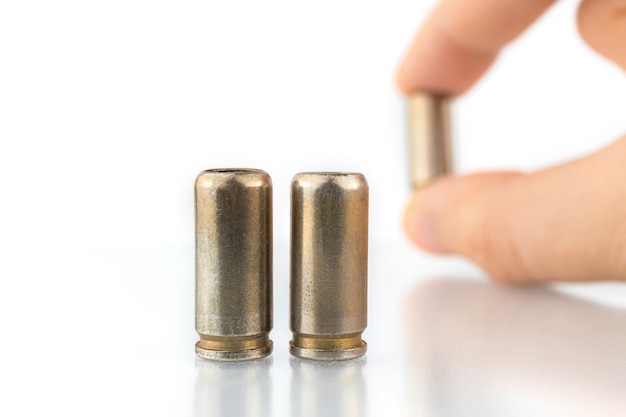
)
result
[(233, 264), (429, 137), (329, 222)]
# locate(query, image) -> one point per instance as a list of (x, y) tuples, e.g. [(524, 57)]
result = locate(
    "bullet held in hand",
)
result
[(430, 138)]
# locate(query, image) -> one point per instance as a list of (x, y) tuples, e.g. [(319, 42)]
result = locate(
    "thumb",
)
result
[(566, 223)]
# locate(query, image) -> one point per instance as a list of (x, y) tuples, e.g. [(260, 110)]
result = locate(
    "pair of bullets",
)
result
[(329, 225), (328, 289)]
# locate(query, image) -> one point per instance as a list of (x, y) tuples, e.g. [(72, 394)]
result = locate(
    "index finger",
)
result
[(460, 40)]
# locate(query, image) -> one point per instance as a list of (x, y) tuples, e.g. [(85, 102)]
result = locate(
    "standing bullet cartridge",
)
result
[(429, 137), (233, 264), (329, 222)]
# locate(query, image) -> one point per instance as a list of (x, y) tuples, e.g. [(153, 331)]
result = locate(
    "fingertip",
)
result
[(420, 225), (448, 216), (439, 62), (602, 25)]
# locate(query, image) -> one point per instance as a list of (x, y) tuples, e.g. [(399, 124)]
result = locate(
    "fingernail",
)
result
[(421, 226)]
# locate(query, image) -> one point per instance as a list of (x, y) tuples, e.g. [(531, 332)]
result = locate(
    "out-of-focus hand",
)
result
[(563, 223)]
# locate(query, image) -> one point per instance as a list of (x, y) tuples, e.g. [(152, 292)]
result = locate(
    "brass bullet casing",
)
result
[(430, 135), (329, 221), (233, 264)]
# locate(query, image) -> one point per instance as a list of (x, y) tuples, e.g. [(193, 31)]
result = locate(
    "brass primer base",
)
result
[(328, 347), (234, 348)]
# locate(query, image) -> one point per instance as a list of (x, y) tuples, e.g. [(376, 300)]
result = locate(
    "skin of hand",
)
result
[(565, 223)]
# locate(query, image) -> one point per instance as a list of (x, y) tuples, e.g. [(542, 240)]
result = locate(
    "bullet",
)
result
[(329, 222), (233, 264), (429, 137)]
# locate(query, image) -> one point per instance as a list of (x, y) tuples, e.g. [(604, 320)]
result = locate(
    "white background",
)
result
[(108, 110)]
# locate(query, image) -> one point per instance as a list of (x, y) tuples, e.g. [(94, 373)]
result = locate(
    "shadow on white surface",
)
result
[(480, 349), (328, 389)]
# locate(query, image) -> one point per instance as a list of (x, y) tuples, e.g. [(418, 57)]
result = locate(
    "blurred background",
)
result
[(108, 110)]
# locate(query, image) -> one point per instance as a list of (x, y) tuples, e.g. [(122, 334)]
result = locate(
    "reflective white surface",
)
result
[(442, 342), (480, 349), (446, 347)]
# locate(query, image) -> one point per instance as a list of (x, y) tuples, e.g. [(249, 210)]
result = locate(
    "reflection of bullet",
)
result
[(326, 390), (233, 264), (328, 265), (233, 389), (429, 137)]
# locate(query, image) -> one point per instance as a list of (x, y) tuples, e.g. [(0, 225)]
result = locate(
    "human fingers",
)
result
[(460, 40), (602, 24), (566, 223)]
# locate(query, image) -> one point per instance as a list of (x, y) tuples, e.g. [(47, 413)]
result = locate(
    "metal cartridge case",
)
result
[(233, 264), (329, 221), (429, 137)]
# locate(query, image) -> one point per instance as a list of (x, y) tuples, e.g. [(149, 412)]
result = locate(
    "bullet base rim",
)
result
[(235, 355), (328, 355)]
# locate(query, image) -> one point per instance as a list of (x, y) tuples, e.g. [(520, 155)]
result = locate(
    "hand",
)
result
[(563, 223)]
